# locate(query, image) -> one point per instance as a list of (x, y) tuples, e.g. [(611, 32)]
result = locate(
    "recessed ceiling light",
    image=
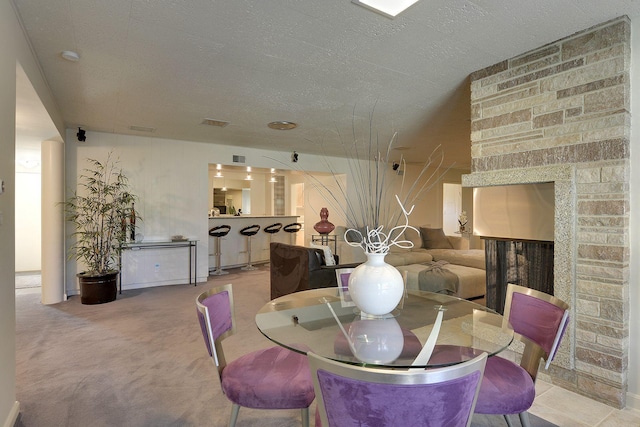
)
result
[(388, 8), (282, 125), (214, 122), (70, 55)]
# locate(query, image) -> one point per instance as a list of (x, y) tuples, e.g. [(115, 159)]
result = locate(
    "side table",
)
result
[(325, 240)]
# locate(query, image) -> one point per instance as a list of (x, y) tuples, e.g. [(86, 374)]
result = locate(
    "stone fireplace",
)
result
[(560, 114)]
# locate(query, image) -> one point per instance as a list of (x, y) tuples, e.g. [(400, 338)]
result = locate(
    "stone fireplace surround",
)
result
[(561, 114), (564, 234)]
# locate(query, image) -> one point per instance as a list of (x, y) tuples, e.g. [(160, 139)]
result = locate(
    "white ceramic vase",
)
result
[(375, 286)]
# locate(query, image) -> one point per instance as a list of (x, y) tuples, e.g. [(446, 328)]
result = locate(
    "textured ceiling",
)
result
[(168, 64)]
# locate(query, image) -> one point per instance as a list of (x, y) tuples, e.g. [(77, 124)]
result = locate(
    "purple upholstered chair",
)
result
[(273, 378), (349, 395), (540, 321)]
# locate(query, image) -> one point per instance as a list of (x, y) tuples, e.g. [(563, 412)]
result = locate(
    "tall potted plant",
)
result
[(100, 208)]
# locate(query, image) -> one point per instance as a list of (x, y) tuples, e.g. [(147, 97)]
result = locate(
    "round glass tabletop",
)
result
[(425, 330)]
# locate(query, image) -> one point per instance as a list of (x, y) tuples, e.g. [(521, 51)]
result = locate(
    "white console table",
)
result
[(191, 245)]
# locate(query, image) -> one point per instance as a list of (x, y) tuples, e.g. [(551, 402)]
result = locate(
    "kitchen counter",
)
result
[(228, 216), (233, 246)]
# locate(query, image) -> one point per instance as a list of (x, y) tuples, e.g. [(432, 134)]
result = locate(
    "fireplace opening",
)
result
[(516, 222), (521, 262)]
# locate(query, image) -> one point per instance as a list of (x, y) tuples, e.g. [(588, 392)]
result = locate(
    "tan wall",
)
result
[(562, 113)]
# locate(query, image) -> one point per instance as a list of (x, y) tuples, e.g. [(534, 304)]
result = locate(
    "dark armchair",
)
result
[(298, 268)]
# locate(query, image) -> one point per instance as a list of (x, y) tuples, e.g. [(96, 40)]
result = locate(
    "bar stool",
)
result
[(292, 228), (248, 232), (271, 230), (217, 233)]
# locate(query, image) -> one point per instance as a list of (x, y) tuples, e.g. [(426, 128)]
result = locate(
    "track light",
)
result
[(294, 157), (81, 135)]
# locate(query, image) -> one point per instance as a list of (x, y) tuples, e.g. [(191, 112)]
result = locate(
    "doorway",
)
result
[(28, 220), (451, 207), (33, 125)]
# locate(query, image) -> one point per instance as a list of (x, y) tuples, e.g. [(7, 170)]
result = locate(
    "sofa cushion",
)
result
[(408, 257), (471, 281), (327, 255), (470, 258), (434, 238)]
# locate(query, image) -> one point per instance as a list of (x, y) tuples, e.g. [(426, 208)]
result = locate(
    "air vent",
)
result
[(213, 122), (142, 128), (238, 159)]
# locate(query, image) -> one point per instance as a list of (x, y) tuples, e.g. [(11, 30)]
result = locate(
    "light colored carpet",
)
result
[(28, 280), (140, 360)]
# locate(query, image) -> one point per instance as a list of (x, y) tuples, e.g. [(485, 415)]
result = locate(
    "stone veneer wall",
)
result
[(561, 113)]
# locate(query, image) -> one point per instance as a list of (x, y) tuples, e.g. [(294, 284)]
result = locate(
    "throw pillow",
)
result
[(434, 238), (414, 237), (328, 256)]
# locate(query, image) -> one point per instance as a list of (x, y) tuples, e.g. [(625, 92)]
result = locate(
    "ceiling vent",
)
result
[(213, 122), (238, 159), (142, 128)]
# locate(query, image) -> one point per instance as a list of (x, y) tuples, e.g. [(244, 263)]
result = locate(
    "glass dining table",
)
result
[(425, 330)]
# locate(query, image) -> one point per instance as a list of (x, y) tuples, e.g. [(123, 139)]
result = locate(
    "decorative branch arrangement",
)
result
[(375, 241), (377, 177)]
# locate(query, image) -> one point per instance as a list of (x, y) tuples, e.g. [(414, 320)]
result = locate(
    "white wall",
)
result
[(633, 395), (8, 404), (13, 49)]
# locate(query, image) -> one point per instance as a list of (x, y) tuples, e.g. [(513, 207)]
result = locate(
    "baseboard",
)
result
[(13, 415), (633, 401)]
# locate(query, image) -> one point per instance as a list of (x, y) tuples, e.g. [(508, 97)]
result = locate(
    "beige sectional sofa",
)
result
[(454, 256)]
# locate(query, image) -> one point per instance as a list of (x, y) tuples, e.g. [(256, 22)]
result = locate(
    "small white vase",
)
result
[(375, 286)]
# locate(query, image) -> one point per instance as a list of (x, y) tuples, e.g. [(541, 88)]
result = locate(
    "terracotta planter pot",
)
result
[(98, 289)]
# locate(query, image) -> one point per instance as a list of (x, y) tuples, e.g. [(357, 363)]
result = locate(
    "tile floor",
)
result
[(554, 404), (568, 409)]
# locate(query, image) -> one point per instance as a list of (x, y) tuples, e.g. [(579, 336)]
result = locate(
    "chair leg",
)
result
[(249, 266), (506, 418), (305, 417), (218, 271), (524, 419), (234, 415)]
